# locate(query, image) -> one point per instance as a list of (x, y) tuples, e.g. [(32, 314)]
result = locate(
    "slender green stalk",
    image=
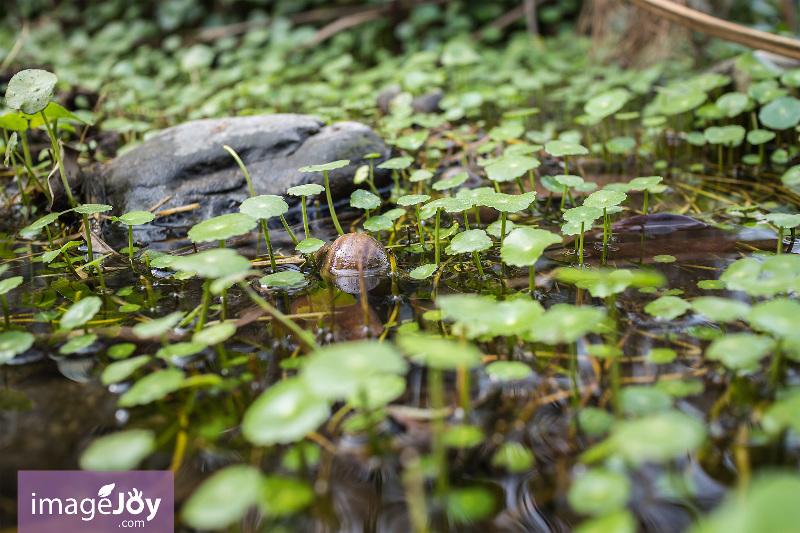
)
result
[(269, 244), (780, 241), (289, 230), (57, 155), (130, 243), (436, 401), (477, 259), (330, 204), (419, 225), (6, 312), (644, 206), (580, 246), (305, 216), (241, 165), (436, 237), (201, 321), (503, 216), (531, 279)]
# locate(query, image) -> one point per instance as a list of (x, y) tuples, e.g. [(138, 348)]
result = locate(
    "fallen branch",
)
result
[(722, 28)]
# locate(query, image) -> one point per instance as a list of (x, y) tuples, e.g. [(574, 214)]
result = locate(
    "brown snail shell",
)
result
[(343, 258)]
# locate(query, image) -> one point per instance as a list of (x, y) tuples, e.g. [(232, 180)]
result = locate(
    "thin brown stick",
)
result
[(721, 28)]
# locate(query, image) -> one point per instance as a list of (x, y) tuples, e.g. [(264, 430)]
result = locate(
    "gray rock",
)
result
[(187, 163)]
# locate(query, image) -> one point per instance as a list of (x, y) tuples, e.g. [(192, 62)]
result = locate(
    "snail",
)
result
[(343, 258)]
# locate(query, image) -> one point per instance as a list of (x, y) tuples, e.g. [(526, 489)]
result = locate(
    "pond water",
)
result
[(367, 474)]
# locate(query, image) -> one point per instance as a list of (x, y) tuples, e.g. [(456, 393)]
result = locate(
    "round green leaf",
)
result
[(514, 457), (661, 356), (264, 206), (333, 165), (641, 399), (308, 189), (508, 370), (309, 246), (559, 148), (13, 343), (10, 284), (778, 317), (474, 240), (283, 279), (604, 199), (599, 491), (214, 334), (563, 323), (720, 309), (80, 312), (423, 271), (607, 103), (463, 436), (510, 167), (284, 413), (76, 344), (152, 387), (157, 327), (337, 370), (524, 246), (213, 263), (91, 209), (123, 450), (412, 199), (732, 104), (781, 113), (122, 370), (451, 182), (30, 90), (361, 199), (224, 498), (281, 496), (469, 505), (440, 353), (136, 218), (222, 227), (378, 223), (657, 437), (756, 137), (397, 163), (667, 307), (739, 351)]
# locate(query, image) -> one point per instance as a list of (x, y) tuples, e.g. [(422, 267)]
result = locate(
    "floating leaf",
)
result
[(123, 450), (462, 436), (423, 271), (284, 279)]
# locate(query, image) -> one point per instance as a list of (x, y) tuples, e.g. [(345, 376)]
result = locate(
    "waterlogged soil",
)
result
[(54, 405)]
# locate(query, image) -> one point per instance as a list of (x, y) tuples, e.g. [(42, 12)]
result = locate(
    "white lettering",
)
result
[(90, 511), (153, 508)]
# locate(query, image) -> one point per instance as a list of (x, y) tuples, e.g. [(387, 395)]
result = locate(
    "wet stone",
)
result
[(188, 164)]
